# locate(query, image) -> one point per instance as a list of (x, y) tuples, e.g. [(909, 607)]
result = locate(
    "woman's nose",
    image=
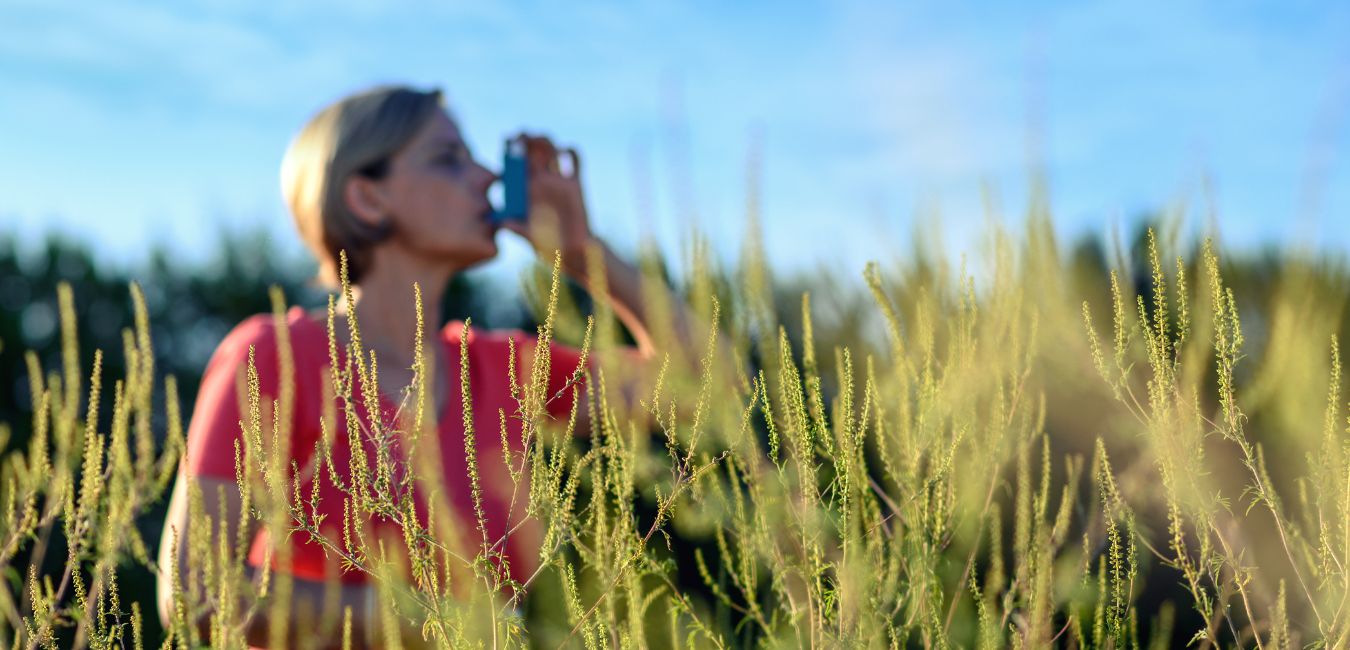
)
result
[(486, 177)]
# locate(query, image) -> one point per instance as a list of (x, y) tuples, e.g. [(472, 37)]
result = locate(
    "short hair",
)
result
[(357, 134)]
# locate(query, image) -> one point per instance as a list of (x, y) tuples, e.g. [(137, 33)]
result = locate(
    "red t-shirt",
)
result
[(222, 404)]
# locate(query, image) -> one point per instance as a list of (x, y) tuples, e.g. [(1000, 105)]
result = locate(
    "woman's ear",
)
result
[(367, 199)]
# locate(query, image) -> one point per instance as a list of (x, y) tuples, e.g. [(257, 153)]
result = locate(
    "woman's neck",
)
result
[(385, 305)]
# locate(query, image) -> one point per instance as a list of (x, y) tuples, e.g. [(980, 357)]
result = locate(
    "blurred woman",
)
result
[(385, 175)]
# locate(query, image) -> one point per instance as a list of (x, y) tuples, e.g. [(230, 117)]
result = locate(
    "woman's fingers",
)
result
[(575, 159), (541, 154), (557, 218)]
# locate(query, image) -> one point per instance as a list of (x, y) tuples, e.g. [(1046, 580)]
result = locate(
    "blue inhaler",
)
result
[(515, 191)]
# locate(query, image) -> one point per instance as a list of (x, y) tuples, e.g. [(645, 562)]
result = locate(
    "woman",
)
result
[(385, 176)]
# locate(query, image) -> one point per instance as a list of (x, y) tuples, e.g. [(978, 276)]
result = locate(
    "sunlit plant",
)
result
[(906, 479)]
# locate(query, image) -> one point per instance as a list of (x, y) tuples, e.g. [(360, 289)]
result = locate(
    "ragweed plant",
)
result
[(89, 484), (1209, 538), (963, 460)]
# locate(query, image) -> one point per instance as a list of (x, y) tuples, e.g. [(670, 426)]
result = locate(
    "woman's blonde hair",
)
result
[(354, 135)]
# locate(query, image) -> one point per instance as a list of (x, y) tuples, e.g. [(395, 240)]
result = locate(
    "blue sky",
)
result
[(129, 123)]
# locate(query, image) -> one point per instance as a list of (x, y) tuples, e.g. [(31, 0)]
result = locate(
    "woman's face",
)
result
[(436, 195)]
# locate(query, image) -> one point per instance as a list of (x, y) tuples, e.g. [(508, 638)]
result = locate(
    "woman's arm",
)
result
[(624, 283), (308, 597), (559, 222)]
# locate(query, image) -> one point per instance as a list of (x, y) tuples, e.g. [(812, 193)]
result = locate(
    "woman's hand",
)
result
[(558, 220)]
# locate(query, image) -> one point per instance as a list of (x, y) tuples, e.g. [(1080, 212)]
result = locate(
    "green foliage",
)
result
[(940, 458)]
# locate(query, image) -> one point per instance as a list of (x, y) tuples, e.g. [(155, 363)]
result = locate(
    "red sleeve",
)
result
[(222, 398)]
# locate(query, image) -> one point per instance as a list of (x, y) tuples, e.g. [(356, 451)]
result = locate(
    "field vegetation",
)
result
[(1136, 444)]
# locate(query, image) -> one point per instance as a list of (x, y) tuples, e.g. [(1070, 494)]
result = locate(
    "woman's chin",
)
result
[(484, 254)]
